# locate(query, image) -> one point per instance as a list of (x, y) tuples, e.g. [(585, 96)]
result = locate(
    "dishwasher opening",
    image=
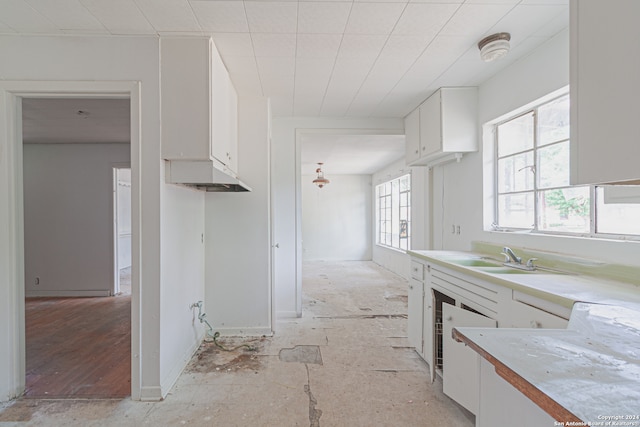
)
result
[(439, 298)]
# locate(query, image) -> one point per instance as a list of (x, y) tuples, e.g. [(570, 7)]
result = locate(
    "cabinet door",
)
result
[(427, 331), (412, 136), (220, 114), (461, 365), (415, 314), (431, 126), (605, 89)]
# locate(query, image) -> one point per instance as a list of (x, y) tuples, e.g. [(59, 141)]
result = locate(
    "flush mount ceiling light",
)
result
[(494, 46), (320, 181)]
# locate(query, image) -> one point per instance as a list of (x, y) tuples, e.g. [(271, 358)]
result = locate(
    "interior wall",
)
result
[(68, 218), (238, 234), (458, 191), (286, 193), (336, 219), (113, 59)]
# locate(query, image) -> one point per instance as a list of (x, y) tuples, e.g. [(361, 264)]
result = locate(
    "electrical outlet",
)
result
[(37, 280)]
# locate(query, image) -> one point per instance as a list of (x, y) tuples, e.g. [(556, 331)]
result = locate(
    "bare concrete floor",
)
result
[(346, 362)]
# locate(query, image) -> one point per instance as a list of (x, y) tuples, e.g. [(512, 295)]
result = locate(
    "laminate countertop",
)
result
[(587, 373)]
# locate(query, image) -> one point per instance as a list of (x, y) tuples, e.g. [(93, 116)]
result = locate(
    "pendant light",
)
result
[(320, 181)]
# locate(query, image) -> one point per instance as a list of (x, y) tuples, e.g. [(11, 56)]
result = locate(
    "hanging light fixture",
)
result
[(494, 46), (320, 181)]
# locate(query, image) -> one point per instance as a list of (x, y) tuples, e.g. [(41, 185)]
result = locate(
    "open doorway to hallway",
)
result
[(77, 334)]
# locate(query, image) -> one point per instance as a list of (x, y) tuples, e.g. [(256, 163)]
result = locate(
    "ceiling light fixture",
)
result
[(494, 46), (320, 181)]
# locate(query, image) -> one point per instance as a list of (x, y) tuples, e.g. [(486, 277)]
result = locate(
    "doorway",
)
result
[(122, 230), (12, 218)]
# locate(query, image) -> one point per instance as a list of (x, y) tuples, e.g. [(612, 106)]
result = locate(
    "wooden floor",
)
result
[(78, 347)]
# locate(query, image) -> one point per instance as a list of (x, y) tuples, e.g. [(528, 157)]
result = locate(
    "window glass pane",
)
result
[(515, 173), (616, 218), (515, 135), (393, 213), (553, 165), (553, 121), (516, 210), (565, 210)]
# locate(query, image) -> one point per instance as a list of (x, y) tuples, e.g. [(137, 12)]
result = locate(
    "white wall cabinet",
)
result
[(447, 125), (604, 70), (199, 103), (412, 136)]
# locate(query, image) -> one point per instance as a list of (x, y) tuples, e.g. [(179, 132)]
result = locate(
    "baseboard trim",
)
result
[(287, 315), (170, 380), (150, 394), (76, 293)]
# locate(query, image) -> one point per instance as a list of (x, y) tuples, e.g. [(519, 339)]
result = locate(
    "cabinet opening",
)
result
[(439, 298), (466, 307)]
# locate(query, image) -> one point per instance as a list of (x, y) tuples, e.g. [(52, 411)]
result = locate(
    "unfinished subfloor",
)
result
[(346, 362)]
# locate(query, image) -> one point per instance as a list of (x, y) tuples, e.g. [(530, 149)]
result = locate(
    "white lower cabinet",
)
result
[(460, 364), (503, 405)]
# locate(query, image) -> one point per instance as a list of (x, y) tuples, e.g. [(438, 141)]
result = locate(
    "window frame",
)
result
[(394, 212), (536, 190)]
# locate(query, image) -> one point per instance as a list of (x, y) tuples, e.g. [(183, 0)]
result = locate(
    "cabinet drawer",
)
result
[(526, 316), (542, 305), (479, 292), (417, 270)]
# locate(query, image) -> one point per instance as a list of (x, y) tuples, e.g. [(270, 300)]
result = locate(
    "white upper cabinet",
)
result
[(412, 136), (605, 89), (199, 103), (447, 125)]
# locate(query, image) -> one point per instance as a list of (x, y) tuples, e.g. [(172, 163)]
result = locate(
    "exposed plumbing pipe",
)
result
[(214, 335)]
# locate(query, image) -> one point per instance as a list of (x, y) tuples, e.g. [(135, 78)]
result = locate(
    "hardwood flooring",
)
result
[(78, 347)]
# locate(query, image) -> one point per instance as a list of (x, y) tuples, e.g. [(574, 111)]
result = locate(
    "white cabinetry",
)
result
[(605, 145), (199, 105), (461, 365), (447, 125), (415, 315), (412, 136)]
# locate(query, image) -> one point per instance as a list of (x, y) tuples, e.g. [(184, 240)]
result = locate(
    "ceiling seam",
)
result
[(253, 48)]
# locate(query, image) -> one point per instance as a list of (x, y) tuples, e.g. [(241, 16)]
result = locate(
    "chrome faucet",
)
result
[(510, 256)]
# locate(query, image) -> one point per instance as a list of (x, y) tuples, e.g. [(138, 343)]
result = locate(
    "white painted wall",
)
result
[(238, 235), (458, 188), (68, 214), (124, 217), (129, 59), (336, 219), (396, 260), (286, 199)]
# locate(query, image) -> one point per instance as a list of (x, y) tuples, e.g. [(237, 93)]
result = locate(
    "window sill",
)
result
[(390, 248)]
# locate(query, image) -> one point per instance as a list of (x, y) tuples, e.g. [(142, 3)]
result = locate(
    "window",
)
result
[(533, 191), (393, 212)]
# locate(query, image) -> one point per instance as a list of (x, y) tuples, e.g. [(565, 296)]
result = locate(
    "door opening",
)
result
[(122, 230)]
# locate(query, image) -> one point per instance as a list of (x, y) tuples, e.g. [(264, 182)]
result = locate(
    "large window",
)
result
[(532, 180), (393, 212)]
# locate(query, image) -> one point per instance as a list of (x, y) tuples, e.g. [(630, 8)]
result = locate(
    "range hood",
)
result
[(205, 175)]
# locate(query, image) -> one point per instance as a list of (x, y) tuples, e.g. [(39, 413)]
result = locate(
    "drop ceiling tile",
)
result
[(312, 76), (247, 84), (25, 19), (522, 21), (119, 16), (306, 106), (365, 104), (277, 85), (361, 46), (220, 16), (272, 16), (373, 18), (438, 1), (323, 18), (281, 107), (513, 2), (68, 15), (424, 19), (169, 15), (5, 29), (405, 47), (474, 19), (241, 64), (274, 45), (554, 26), (558, 2), (284, 66), (233, 44), (318, 45)]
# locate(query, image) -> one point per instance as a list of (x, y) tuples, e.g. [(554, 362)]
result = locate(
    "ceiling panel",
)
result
[(318, 45), (373, 18), (68, 15), (220, 16), (233, 44), (474, 19), (170, 15), (274, 45), (22, 18), (424, 19), (323, 18), (361, 46), (272, 17), (119, 16)]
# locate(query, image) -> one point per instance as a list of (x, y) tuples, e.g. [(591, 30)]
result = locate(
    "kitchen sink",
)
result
[(476, 262), (505, 270)]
